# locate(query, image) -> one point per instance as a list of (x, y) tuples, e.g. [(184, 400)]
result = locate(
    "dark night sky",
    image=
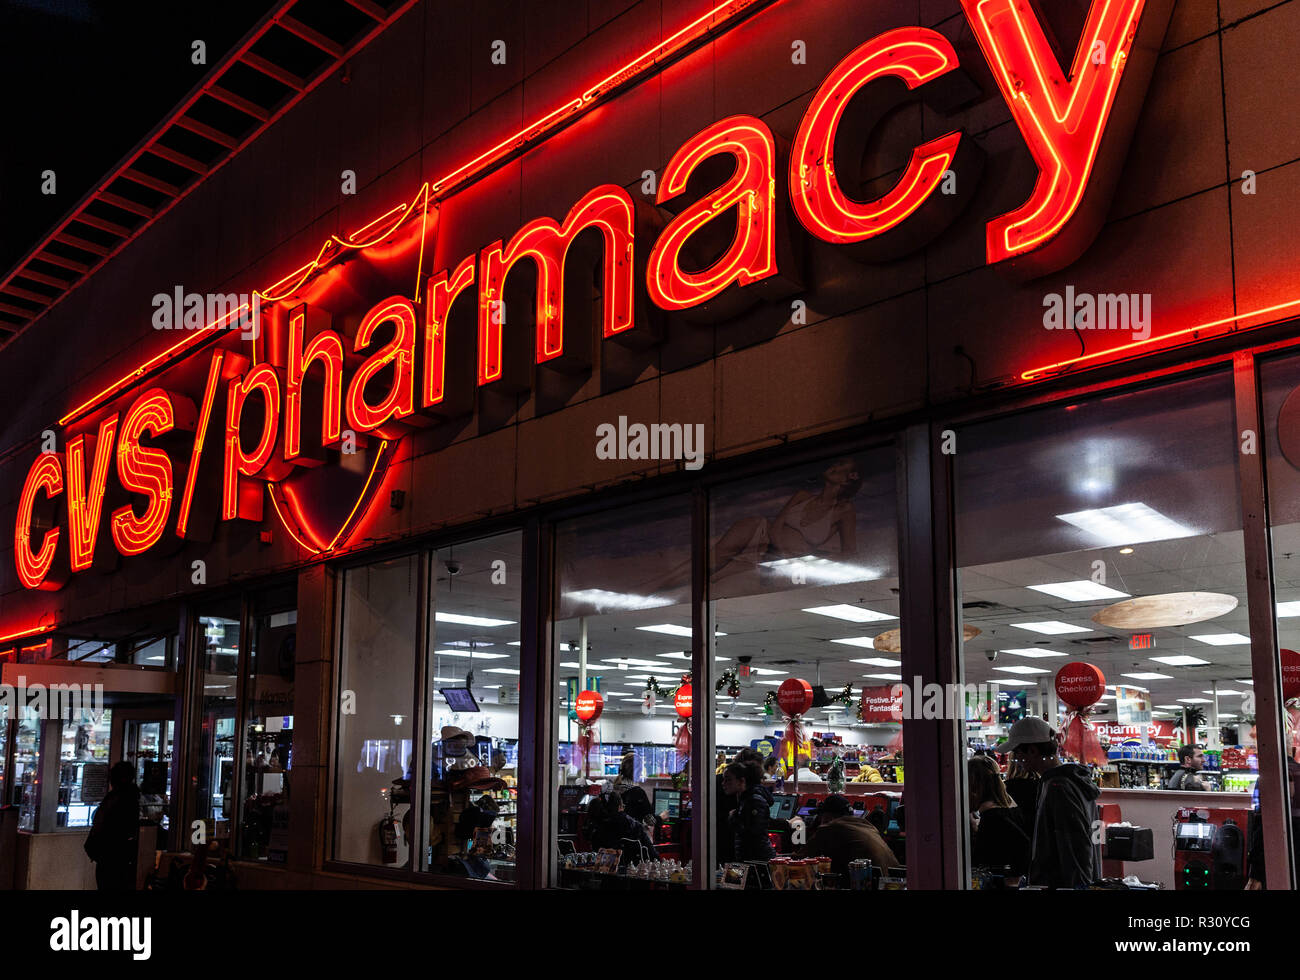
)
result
[(82, 82)]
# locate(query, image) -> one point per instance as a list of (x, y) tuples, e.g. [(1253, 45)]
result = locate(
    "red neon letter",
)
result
[(751, 190), (147, 471), (245, 502), (442, 293), (399, 352), (607, 208), (1066, 121), (45, 475), (85, 502), (327, 348), (914, 54)]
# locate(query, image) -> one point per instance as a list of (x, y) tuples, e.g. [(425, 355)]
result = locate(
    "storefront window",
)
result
[(804, 583), (27, 757), (219, 634), (1103, 599), (375, 729), (268, 727), (623, 631), (83, 766), (473, 699)]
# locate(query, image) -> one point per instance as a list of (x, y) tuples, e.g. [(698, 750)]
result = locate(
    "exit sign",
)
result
[(1141, 641)]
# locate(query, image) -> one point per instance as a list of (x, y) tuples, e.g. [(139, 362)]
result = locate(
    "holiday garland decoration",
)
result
[(845, 697), (730, 679)]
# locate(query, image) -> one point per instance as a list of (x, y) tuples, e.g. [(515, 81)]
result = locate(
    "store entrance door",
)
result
[(145, 737)]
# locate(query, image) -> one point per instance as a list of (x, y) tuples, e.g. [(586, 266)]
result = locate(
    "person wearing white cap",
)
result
[(1065, 853)]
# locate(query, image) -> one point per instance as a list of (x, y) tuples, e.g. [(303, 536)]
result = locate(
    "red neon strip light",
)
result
[(399, 403), (1034, 374), (45, 474), (145, 471), (21, 634), (432, 192), (85, 500), (196, 452)]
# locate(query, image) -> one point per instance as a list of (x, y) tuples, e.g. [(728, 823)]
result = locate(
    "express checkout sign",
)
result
[(217, 438)]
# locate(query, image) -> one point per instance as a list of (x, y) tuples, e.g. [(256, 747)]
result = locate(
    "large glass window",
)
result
[(219, 638), (83, 765), (1103, 600), (268, 726), (804, 584), (376, 697), (24, 784), (623, 631), (473, 709)]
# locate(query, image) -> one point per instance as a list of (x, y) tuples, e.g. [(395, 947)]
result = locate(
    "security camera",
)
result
[(453, 567), (992, 655)]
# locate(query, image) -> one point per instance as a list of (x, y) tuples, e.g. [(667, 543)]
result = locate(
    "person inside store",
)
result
[(609, 826), (773, 772), (724, 839), (625, 779), (113, 841), (1022, 786), (844, 837), (999, 836), (1062, 852), (637, 805), (1256, 878), (749, 821), (1191, 760)]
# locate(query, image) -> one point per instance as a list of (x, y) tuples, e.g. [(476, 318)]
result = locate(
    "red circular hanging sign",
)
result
[(589, 706), (795, 696), (1080, 685), (1290, 675), (682, 700)]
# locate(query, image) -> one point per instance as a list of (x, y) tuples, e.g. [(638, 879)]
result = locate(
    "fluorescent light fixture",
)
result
[(857, 641), (1179, 660), (1222, 639), (671, 630), (515, 643), (1170, 707), (885, 677), (1081, 590), (459, 620), (572, 664), (770, 683), (1022, 669), (501, 670), (1223, 715), (606, 599), (1287, 610), (1051, 627), (1226, 693), (476, 655), (1109, 697), (633, 662), (878, 662), (1148, 675), (682, 656), (1126, 524), (1131, 687), (1033, 653), (1195, 700), (822, 571), (1246, 681), (855, 614)]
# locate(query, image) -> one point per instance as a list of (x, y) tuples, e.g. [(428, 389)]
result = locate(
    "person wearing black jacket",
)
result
[(999, 832), (753, 811), (1066, 852), (724, 839), (1255, 875), (114, 838), (614, 829)]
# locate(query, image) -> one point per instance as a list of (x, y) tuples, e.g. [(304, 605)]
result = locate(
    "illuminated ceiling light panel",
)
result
[(854, 614), (1179, 660), (1022, 669), (685, 656), (501, 670), (606, 599), (1226, 693), (1033, 653), (1170, 707), (880, 677), (1148, 676), (633, 662), (459, 620), (857, 641), (1224, 714), (878, 662), (1288, 610), (770, 683), (475, 655), (1222, 639), (1195, 700), (671, 630), (1126, 524), (1246, 680), (1082, 590), (1051, 627), (822, 571), (1109, 697)]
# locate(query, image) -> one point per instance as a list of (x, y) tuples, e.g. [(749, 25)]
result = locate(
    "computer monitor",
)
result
[(571, 796), (784, 806), (668, 801), (459, 698)]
